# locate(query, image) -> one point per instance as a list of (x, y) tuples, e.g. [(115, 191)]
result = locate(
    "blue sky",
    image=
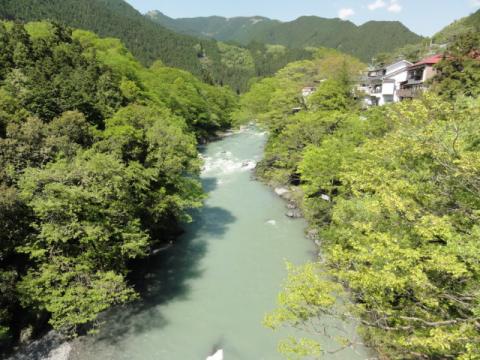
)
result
[(424, 17)]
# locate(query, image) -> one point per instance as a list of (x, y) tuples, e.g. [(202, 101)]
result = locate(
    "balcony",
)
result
[(414, 81), (411, 92)]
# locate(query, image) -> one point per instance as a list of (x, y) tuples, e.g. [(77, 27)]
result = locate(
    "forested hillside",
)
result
[(363, 41), (392, 197), (147, 41), (98, 164), (435, 45), (150, 42), (461, 26), (238, 29)]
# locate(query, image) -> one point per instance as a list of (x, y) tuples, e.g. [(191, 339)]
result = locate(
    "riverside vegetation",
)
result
[(98, 163), (393, 194)]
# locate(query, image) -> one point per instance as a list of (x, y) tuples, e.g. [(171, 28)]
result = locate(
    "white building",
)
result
[(417, 76), (382, 85)]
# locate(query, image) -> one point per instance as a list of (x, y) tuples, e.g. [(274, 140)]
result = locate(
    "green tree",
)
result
[(459, 72)]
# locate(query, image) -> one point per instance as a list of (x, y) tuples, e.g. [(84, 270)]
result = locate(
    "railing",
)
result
[(410, 93), (414, 81)]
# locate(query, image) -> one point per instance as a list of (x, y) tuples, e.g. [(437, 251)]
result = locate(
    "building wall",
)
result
[(399, 78), (428, 73), (389, 91)]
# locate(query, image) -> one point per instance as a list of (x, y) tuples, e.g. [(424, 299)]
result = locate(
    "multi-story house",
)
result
[(382, 84), (418, 75)]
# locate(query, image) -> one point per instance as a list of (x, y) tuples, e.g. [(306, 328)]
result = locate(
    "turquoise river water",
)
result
[(212, 289)]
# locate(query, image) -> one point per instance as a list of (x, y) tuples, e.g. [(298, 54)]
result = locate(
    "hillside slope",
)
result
[(435, 45), (149, 41), (238, 29), (363, 41), (463, 25)]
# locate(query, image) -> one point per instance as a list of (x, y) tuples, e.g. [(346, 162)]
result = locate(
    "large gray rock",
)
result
[(51, 346), (294, 214), (312, 234)]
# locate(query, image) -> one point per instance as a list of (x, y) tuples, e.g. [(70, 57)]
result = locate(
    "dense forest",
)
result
[(392, 198), (98, 164), (99, 167), (364, 41), (149, 42), (239, 29)]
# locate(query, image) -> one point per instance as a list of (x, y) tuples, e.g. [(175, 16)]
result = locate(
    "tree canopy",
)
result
[(98, 165), (392, 196)]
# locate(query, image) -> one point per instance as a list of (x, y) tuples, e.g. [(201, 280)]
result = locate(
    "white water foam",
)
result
[(224, 163)]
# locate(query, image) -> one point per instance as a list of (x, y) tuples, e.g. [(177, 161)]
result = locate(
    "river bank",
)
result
[(213, 287)]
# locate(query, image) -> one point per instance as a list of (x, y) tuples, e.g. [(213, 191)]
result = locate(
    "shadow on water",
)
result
[(209, 184), (167, 277)]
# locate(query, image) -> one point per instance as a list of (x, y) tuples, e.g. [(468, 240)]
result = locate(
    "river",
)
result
[(212, 289)]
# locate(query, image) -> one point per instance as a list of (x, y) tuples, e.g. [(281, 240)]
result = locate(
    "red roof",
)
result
[(432, 60)]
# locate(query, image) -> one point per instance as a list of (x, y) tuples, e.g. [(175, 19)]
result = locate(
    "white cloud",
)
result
[(395, 7), (475, 3), (378, 4), (345, 13)]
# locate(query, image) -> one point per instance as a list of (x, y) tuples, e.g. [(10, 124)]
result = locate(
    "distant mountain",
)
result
[(363, 41), (238, 29)]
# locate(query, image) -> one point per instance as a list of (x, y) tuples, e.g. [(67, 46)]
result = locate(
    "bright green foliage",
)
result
[(156, 140), (205, 108), (116, 18), (394, 195), (402, 235), (88, 226), (306, 294), (459, 72), (73, 294), (211, 61), (273, 102), (299, 348), (331, 95), (49, 75), (98, 166)]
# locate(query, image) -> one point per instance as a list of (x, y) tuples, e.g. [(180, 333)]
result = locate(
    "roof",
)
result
[(432, 60), (398, 62), (399, 71)]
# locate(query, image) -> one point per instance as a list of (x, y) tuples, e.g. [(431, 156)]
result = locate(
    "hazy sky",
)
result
[(424, 17)]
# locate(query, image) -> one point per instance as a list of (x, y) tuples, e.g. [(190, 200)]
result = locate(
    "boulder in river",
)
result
[(292, 206), (52, 346), (281, 191), (294, 214), (312, 234)]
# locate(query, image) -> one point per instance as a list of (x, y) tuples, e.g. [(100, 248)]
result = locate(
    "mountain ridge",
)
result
[(363, 41)]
